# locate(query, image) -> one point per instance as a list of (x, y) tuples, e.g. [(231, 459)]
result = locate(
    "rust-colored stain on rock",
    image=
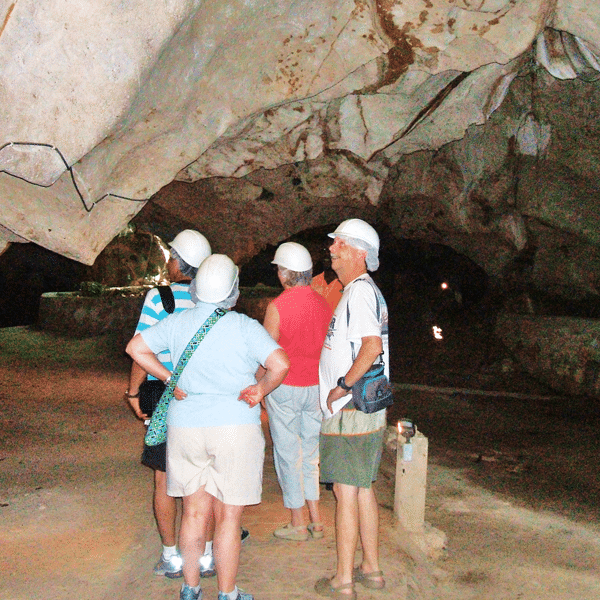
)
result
[(402, 55)]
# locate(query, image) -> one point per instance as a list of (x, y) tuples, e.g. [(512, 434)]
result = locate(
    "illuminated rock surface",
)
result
[(468, 124)]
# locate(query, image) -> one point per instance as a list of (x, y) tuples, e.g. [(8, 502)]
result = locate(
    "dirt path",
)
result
[(75, 519)]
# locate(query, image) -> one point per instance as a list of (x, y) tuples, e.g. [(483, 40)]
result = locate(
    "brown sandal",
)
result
[(369, 580), (316, 530), (323, 587)]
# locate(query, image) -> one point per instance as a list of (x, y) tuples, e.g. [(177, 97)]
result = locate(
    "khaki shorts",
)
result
[(227, 461)]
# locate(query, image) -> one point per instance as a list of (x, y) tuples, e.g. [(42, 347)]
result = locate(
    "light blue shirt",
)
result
[(223, 364)]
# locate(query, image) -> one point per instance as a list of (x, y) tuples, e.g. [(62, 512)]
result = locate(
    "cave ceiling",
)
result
[(471, 123)]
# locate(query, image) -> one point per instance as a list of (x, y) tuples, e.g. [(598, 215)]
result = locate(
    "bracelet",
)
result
[(132, 395), (166, 382)]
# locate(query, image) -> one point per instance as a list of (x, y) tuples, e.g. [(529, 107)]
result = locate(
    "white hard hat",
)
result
[(293, 256), (192, 246), (358, 229), (215, 278)]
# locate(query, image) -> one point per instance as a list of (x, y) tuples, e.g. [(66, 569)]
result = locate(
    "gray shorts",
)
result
[(351, 459), (155, 457)]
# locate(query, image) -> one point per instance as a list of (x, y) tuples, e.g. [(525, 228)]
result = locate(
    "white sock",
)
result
[(208, 548), (231, 595), (169, 552)]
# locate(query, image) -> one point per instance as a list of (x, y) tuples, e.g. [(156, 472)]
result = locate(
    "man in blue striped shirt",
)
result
[(188, 250)]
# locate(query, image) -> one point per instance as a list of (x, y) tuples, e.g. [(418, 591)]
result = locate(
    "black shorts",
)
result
[(155, 457)]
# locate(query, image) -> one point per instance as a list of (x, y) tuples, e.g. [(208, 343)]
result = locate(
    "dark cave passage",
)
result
[(441, 309)]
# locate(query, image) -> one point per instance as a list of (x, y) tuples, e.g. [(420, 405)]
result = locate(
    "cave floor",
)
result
[(512, 482)]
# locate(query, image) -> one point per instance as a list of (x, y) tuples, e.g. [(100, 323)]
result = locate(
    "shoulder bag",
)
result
[(152, 389), (372, 392)]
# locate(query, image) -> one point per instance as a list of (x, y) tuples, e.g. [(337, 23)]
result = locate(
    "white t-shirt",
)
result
[(361, 312)]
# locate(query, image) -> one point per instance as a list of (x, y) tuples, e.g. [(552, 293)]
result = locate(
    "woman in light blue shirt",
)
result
[(215, 444)]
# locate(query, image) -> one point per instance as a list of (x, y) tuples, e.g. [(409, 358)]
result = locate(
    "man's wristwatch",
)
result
[(342, 383), (132, 395)]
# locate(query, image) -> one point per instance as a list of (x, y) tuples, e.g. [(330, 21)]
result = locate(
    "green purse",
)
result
[(157, 429)]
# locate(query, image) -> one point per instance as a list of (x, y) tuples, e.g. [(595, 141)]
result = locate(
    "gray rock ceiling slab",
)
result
[(412, 108)]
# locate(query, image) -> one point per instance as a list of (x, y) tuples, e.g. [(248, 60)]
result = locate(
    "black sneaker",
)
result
[(245, 535)]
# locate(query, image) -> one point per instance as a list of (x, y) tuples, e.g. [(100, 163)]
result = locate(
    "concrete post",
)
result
[(411, 482)]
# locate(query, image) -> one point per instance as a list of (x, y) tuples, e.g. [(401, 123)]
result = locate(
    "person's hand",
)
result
[(179, 394), (335, 394), (134, 403), (251, 395)]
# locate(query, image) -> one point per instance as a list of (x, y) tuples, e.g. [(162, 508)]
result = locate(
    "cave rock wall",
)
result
[(254, 120)]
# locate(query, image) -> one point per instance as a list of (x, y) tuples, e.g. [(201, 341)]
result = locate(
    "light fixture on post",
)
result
[(411, 476)]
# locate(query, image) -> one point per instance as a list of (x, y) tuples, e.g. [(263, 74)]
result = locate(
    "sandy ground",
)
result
[(512, 483)]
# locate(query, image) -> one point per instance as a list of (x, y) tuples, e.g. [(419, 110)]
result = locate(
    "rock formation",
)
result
[(470, 123)]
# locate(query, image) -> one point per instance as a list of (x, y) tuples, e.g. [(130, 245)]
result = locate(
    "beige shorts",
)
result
[(227, 461)]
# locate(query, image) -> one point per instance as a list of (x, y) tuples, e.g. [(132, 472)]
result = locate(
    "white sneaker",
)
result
[(207, 566), (169, 568)]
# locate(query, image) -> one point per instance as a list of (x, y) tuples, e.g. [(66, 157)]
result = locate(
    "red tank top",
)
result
[(303, 322)]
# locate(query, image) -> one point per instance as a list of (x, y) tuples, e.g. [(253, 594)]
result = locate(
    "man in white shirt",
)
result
[(351, 441)]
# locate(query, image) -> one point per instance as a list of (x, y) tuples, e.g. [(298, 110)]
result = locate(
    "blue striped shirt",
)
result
[(153, 311)]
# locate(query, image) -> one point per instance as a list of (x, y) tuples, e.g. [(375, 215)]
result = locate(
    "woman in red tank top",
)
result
[(298, 320)]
